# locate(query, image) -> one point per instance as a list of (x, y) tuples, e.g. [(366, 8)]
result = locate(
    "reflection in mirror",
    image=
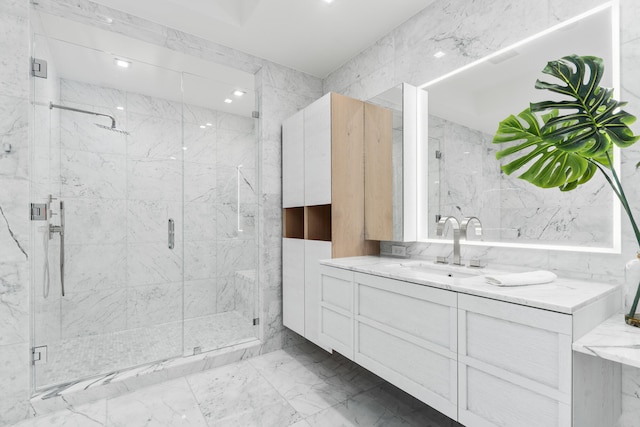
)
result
[(465, 179), (406, 104)]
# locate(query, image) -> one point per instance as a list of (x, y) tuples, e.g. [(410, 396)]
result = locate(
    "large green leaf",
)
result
[(548, 166), (577, 133), (591, 119)]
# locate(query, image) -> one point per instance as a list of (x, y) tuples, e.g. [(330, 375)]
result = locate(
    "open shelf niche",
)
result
[(293, 222), (318, 222)]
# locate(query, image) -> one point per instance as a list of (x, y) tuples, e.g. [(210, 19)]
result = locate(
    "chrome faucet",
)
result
[(456, 236), (465, 225)]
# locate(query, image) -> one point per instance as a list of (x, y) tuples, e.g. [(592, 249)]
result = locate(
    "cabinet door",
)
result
[(314, 250), (293, 283), (514, 365), (293, 161), (317, 152), (336, 309), (406, 333)]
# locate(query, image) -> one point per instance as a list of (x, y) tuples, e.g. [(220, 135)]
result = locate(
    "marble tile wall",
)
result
[(14, 200), (469, 31)]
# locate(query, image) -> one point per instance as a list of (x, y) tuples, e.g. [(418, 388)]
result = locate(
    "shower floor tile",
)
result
[(259, 392), (77, 358)]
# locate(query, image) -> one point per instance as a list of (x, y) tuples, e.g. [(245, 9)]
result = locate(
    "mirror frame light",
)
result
[(616, 248)]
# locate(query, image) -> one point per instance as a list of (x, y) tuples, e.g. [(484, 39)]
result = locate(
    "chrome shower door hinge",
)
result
[(256, 321), (39, 68), (255, 114), (39, 355)]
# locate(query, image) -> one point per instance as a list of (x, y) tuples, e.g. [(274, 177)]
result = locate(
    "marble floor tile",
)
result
[(232, 391), (170, 403), (301, 386), (89, 415), (361, 410)]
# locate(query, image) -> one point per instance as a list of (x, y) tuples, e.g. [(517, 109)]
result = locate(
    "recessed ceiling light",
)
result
[(238, 92), (203, 127), (103, 19), (439, 54), (328, 1), (228, 101), (122, 63), (120, 108), (209, 124)]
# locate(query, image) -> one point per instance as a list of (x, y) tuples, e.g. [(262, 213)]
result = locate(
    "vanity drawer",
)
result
[(507, 350), (406, 334), (336, 310)]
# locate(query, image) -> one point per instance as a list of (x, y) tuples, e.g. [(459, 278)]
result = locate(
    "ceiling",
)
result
[(307, 35)]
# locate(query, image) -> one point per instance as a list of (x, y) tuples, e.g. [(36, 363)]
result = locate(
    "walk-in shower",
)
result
[(148, 248)]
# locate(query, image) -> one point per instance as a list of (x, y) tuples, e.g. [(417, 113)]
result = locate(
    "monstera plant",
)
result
[(563, 144)]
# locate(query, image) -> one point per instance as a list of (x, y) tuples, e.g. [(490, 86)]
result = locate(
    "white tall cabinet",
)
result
[(323, 201)]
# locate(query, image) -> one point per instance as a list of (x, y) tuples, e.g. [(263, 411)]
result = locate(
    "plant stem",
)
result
[(634, 306), (623, 199), (618, 190)]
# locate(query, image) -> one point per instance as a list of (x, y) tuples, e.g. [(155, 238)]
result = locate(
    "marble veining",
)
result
[(13, 236)]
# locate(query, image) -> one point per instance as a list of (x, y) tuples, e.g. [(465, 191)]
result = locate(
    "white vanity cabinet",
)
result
[(500, 358), (514, 364), (404, 333)]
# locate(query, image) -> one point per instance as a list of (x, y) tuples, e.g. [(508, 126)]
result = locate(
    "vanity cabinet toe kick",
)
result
[(479, 361)]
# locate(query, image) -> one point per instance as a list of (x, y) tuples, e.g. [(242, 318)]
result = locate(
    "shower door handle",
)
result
[(239, 181), (171, 233), (62, 247)]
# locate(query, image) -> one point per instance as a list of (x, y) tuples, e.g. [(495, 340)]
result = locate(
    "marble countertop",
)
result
[(562, 295), (612, 340)]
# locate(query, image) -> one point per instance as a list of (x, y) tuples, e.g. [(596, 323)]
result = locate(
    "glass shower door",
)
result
[(107, 264), (220, 207)]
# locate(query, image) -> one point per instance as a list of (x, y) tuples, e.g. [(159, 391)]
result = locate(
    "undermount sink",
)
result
[(432, 268)]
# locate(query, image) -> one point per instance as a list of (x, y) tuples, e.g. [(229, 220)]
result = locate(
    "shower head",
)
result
[(77, 110), (112, 128)]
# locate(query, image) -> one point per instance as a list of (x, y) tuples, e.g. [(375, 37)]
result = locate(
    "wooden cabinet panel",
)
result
[(317, 152), (293, 284), (378, 173), (293, 161)]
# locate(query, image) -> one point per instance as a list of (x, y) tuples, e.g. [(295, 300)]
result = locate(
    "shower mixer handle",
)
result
[(60, 230)]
